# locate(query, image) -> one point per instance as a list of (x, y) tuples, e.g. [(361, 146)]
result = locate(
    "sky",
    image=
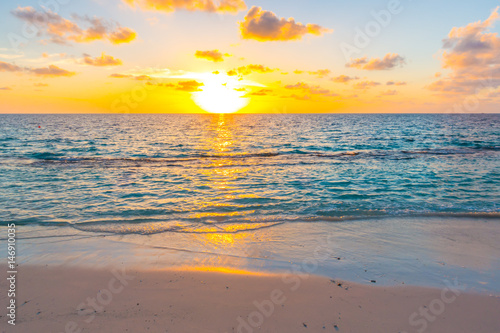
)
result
[(225, 56)]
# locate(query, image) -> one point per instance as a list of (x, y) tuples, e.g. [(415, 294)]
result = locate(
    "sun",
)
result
[(220, 97)]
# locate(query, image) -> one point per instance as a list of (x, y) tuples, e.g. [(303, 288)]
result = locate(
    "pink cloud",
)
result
[(263, 26)]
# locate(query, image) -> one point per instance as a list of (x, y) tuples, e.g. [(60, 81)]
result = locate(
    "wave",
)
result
[(302, 156), (156, 226), (150, 228)]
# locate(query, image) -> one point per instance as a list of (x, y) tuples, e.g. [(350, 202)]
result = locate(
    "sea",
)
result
[(230, 173)]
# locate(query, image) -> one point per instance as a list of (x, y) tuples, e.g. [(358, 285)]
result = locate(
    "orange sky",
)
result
[(246, 56)]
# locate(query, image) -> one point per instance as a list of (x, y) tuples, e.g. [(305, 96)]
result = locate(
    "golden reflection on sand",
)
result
[(220, 269)]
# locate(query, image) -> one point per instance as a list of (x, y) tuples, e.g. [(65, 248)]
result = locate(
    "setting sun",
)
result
[(218, 97)]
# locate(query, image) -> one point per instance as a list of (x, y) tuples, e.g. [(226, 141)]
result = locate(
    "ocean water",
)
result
[(147, 174)]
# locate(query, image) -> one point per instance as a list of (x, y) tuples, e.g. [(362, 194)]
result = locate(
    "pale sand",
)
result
[(194, 301)]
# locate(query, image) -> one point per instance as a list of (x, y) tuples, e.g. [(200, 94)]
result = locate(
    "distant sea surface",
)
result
[(147, 173)]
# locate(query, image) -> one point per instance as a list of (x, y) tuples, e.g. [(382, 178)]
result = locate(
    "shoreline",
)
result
[(76, 299), (419, 252)]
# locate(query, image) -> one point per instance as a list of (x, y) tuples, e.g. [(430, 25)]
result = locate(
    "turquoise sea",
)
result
[(148, 173)]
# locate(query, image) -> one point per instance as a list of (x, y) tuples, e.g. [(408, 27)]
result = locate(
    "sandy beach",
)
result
[(428, 275), (58, 299)]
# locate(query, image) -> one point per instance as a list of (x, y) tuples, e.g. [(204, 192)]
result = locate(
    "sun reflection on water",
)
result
[(225, 223)]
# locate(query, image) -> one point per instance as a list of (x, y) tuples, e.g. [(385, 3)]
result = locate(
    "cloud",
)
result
[(103, 60), (5, 88), (142, 77), (121, 76), (390, 61), (6, 67), (155, 74), (249, 69), (51, 71), (261, 92), (189, 86), (212, 6), (122, 35), (313, 90), (186, 86), (472, 53), (213, 55), (263, 26), (41, 85), (393, 83), (300, 98), (165, 85), (128, 76), (389, 93), (344, 79), (321, 72), (366, 84), (61, 30)]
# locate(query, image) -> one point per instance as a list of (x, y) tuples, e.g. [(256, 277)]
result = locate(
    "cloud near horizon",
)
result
[(261, 92), (344, 79), (389, 93), (189, 86), (473, 56), (6, 67), (50, 71), (390, 61), (394, 83), (264, 26), (103, 60), (213, 55), (211, 6), (249, 69), (128, 76), (61, 30), (313, 90), (321, 73), (366, 85), (186, 86)]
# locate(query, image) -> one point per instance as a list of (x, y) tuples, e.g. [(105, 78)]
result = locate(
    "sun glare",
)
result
[(220, 97)]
